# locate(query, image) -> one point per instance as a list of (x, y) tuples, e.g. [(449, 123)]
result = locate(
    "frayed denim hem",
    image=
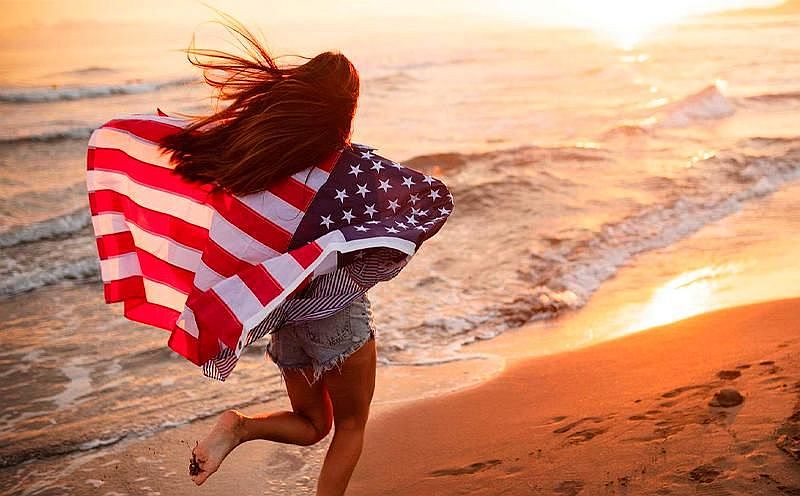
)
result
[(321, 368)]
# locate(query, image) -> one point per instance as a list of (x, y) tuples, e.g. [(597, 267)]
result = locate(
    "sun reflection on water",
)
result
[(690, 293)]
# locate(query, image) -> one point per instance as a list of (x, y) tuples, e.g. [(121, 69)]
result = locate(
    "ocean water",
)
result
[(567, 157)]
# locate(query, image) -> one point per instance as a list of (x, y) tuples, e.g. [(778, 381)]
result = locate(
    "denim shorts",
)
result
[(323, 344)]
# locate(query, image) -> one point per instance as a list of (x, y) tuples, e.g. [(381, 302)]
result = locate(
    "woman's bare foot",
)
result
[(210, 452)]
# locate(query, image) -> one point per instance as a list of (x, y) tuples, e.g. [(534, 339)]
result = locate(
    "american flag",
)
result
[(220, 271)]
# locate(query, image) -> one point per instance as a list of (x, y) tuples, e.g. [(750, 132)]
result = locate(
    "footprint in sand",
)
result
[(648, 415), (705, 474), (571, 425), (569, 487), (728, 375), (680, 390), (789, 436), (469, 469), (727, 398), (585, 435)]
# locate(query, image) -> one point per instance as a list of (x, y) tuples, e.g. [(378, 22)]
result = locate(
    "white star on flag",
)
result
[(367, 154), (362, 190), (355, 170), (391, 229), (385, 186), (370, 210), (413, 199), (443, 211), (361, 228), (348, 215), (411, 220), (326, 221), (341, 195), (434, 194), (407, 181), (428, 179), (376, 166), (394, 205)]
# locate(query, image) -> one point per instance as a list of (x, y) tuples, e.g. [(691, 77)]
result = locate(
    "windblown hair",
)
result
[(280, 120)]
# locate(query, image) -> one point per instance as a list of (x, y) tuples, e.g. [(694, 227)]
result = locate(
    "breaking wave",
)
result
[(64, 93)]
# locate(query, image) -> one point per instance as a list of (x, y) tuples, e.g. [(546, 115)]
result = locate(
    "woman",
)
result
[(280, 121)]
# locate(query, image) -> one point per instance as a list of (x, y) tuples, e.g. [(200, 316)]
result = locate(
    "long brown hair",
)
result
[(281, 120)]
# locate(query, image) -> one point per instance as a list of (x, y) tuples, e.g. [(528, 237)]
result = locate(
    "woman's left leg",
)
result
[(309, 422)]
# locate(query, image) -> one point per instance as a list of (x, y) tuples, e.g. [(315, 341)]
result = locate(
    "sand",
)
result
[(631, 416), (628, 416)]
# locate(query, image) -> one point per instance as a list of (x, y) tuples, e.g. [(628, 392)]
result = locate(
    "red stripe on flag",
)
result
[(220, 261), (123, 289), (150, 130), (164, 272), (155, 176), (293, 192), (186, 345), (261, 283), (251, 222), (141, 310), (214, 319), (111, 245), (306, 255), (185, 233), (153, 267)]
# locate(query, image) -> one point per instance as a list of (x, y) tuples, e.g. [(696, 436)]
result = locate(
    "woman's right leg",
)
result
[(307, 423), (350, 391)]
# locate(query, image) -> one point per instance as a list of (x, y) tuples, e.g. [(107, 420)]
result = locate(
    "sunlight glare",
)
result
[(623, 22), (688, 294)]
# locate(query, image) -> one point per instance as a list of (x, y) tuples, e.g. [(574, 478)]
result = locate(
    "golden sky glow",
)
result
[(625, 18), (625, 22)]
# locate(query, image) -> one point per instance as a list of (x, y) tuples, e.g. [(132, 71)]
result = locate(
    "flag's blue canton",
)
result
[(370, 196)]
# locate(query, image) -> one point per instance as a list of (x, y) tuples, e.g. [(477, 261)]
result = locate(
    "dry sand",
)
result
[(632, 416), (629, 416)]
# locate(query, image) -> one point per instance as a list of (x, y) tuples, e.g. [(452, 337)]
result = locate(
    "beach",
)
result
[(651, 413), (624, 242), (638, 415)]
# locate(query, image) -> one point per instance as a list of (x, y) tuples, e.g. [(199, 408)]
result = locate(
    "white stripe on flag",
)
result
[(238, 297), (163, 248), (188, 323), (238, 243), (313, 177), (120, 267), (205, 277), (134, 146), (164, 295), (160, 201), (284, 269), (108, 223), (275, 209)]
